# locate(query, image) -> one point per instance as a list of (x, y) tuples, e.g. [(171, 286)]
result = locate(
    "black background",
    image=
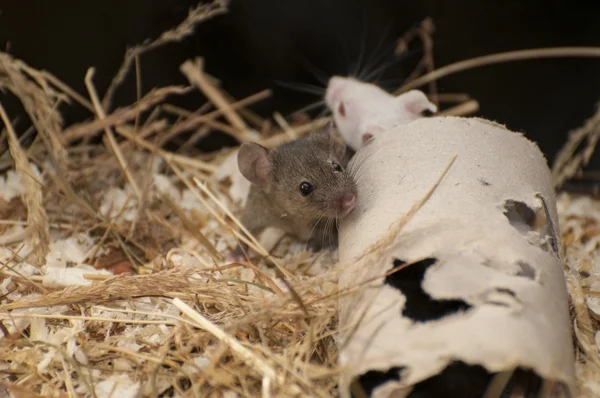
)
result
[(261, 41)]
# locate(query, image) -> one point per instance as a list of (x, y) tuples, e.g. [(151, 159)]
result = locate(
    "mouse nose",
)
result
[(346, 203)]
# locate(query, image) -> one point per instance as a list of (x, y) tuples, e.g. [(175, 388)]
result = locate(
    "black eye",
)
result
[(306, 188), (337, 167), (426, 113)]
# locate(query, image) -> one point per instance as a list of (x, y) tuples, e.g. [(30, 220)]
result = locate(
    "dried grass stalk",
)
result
[(122, 115), (109, 134), (123, 287), (38, 235), (193, 70), (183, 30), (40, 101), (569, 161), (195, 120), (509, 56)]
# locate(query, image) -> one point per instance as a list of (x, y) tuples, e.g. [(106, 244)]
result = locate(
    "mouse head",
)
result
[(306, 176), (361, 110)]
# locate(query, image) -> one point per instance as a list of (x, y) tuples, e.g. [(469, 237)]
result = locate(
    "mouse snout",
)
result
[(346, 204), (333, 88), (335, 81)]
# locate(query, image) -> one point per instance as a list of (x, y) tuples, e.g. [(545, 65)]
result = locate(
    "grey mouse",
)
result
[(301, 187)]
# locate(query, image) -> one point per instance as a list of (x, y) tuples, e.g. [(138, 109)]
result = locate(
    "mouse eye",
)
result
[(306, 188), (337, 167), (426, 113), (342, 109)]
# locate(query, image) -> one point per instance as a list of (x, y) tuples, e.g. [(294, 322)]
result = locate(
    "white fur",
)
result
[(369, 109)]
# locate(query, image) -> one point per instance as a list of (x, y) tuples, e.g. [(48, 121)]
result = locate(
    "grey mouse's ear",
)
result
[(254, 163), (416, 102)]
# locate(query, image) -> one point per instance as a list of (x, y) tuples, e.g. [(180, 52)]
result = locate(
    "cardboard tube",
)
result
[(479, 295)]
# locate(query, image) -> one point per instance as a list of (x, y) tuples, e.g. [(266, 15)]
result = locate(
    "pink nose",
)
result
[(346, 203)]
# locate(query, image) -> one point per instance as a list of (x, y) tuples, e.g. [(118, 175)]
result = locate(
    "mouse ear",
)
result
[(254, 163), (369, 132), (416, 102)]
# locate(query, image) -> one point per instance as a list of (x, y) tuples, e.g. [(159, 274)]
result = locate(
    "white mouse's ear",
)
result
[(369, 132), (254, 163), (416, 102)]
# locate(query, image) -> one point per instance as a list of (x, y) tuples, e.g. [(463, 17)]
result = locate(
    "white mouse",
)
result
[(361, 110)]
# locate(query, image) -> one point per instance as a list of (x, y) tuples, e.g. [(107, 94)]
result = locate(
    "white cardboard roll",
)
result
[(484, 288)]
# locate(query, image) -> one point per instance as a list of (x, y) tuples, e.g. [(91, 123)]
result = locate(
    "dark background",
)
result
[(261, 41)]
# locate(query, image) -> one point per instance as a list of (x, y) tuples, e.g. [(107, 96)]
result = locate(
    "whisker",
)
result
[(363, 44), (311, 106), (313, 230), (324, 233), (320, 75), (391, 85), (353, 170), (376, 74), (374, 58), (358, 178), (324, 112), (302, 87), (331, 234), (345, 59)]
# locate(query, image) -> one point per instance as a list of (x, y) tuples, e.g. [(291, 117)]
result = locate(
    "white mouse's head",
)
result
[(361, 110)]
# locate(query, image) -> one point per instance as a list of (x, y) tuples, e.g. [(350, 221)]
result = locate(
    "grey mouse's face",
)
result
[(310, 178)]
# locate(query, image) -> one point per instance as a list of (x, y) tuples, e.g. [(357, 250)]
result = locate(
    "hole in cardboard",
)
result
[(498, 303), (525, 270), (420, 306), (524, 383), (471, 381), (502, 297), (372, 379), (456, 380), (504, 290), (520, 216), (525, 220)]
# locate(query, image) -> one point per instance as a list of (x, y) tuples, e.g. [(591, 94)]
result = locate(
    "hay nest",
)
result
[(114, 279)]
